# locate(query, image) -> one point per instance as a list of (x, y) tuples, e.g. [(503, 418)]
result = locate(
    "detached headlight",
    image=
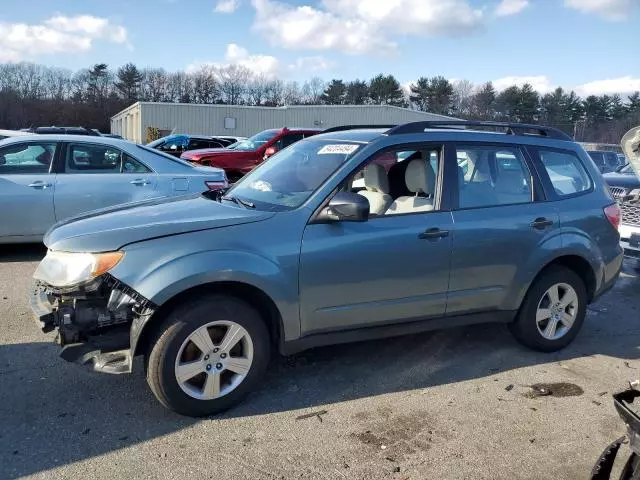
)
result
[(61, 269)]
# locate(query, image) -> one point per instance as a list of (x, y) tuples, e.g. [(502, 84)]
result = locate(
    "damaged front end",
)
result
[(94, 320)]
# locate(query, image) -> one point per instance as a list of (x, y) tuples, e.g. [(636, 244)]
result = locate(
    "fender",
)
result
[(565, 242), (164, 278)]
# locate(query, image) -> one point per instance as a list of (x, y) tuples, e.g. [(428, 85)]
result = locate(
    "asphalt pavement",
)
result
[(451, 404)]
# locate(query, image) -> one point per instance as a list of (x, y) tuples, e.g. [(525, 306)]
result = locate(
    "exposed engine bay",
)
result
[(93, 321)]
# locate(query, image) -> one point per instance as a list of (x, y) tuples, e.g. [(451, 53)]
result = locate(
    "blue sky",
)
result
[(590, 45)]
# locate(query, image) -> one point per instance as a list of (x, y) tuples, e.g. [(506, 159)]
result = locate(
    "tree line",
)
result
[(36, 95)]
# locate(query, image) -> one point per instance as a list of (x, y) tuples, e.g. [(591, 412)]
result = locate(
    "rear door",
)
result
[(26, 188), (500, 220), (97, 176)]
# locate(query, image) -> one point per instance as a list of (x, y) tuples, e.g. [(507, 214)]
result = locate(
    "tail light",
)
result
[(215, 184), (614, 215)]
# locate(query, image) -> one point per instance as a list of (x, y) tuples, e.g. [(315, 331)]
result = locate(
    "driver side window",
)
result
[(399, 181)]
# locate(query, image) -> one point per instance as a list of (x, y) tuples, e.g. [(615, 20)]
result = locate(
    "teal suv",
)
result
[(352, 234)]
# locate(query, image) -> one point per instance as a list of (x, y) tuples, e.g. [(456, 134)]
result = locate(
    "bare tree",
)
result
[(179, 87), (57, 83), (233, 81), (312, 91), (463, 97), (205, 85), (257, 90), (154, 86), (275, 93), (292, 94)]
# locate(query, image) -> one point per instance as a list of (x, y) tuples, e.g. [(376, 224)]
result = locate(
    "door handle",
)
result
[(541, 223), (433, 233), (140, 181), (39, 184)]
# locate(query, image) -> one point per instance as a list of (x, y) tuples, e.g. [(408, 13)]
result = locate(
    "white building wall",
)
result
[(132, 123)]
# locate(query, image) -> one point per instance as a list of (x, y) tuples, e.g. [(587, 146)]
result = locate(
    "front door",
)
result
[(26, 189), (97, 176), (392, 268)]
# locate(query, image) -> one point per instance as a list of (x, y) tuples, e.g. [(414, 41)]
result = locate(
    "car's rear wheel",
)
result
[(208, 355), (553, 310)]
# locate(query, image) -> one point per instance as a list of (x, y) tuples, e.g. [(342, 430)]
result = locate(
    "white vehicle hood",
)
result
[(631, 146)]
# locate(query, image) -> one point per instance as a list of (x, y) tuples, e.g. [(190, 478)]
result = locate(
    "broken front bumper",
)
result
[(93, 322)]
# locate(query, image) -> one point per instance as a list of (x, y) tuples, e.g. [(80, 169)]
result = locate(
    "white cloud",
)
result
[(236, 55), (361, 26), (623, 86), (540, 83), (311, 64), (511, 7), (226, 6), (615, 10), (56, 35), (93, 27)]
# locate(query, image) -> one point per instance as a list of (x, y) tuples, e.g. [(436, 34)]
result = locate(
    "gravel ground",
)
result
[(451, 404)]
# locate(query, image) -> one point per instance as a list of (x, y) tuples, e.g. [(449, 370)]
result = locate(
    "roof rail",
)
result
[(343, 128), (510, 128)]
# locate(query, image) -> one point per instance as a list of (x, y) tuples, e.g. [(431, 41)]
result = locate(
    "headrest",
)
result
[(375, 178), (420, 177)]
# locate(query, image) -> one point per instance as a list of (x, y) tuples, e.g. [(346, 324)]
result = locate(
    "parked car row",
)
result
[(450, 226), (176, 145)]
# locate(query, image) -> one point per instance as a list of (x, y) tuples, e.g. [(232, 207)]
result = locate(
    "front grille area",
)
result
[(618, 192), (630, 214)]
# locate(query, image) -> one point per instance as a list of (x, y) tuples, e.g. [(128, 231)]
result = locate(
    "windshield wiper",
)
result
[(238, 201)]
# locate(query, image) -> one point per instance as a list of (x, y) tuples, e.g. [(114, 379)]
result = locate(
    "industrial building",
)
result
[(137, 121)]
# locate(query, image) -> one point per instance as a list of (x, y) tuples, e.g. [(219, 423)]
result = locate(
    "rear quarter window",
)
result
[(566, 172)]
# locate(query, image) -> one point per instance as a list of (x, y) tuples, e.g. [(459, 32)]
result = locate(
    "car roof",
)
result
[(116, 142), (363, 136), (14, 133)]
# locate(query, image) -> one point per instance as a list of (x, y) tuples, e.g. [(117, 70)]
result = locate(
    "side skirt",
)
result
[(394, 330)]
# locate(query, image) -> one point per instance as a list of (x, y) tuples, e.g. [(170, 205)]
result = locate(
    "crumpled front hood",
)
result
[(111, 228), (631, 146)]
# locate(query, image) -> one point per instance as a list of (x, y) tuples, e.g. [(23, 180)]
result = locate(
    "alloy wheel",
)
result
[(214, 360), (557, 311)]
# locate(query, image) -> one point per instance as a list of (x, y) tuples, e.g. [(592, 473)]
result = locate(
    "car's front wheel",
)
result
[(553, 310), (208, 355)]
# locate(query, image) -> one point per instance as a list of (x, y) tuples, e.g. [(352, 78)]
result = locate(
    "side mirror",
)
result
[(270, 152), (346, 207)]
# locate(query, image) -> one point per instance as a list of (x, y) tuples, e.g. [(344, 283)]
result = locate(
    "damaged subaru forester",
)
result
[(353, 234)]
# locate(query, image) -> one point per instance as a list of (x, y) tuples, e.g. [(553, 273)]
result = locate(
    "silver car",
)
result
[(45, 179)]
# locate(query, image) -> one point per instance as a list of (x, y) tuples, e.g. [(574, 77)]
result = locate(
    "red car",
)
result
[(242, 157)]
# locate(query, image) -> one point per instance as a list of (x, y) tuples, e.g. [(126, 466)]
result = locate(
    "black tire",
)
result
[(182, 322), (525, 328)]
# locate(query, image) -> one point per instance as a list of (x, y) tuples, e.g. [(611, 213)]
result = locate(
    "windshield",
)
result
[(288, 179), (255, 142)]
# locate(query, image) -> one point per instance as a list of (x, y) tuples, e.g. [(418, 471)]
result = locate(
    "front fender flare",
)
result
[(183, 273)]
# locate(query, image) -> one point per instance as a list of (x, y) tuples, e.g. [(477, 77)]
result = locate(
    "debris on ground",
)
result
[(312, 414), (560, 389), (626, 364), (509, 387)]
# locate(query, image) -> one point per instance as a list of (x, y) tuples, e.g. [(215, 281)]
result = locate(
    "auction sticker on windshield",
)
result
[(343, 149)]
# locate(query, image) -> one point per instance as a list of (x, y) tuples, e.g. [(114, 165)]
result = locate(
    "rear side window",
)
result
[(492, 175), (86, 158), (566, 172)]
